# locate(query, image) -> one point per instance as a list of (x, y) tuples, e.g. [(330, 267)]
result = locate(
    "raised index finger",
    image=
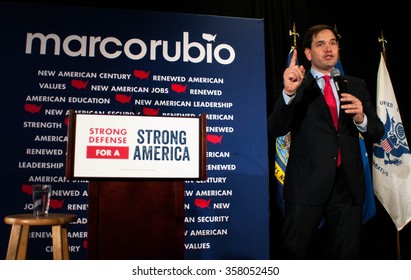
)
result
[(293, 58)]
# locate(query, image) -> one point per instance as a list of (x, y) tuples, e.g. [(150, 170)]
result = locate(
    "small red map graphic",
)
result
[(79, 84), (28, 189), (56, 204), (141, 74), (202, 203), (215, 139), (32, 108), (123, 98), (150, 111), (178, 88)]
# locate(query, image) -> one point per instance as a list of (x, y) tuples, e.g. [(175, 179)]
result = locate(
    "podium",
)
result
[(136, 167)]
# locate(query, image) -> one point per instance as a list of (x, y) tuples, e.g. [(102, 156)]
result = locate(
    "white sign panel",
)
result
[(112, 146)]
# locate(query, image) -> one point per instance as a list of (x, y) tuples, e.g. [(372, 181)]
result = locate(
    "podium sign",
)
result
[(136, 165), (124, 146)]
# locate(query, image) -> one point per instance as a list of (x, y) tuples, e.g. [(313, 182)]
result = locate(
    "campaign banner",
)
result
[(99, 61)]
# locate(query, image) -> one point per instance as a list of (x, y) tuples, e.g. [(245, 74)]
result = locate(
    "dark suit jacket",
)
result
[(312, 161)]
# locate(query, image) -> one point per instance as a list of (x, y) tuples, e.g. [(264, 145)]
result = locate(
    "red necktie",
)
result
[(330, 99)]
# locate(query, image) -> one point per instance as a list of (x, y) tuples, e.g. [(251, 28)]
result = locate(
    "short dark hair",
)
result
[(314, 30)]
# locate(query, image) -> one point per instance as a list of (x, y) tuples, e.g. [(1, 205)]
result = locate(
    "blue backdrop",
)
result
[(109, 61)]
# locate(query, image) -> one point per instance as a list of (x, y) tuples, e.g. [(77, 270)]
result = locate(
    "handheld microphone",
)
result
[(339, 81)]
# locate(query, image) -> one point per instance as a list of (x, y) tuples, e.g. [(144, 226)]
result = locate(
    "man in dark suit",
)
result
[(324, 176)]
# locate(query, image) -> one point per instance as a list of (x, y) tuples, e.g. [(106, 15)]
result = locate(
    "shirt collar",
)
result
[(316, 74)]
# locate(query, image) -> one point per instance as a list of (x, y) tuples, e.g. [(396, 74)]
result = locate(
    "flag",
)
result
[(391, 156), (282, 147), (369, 207)]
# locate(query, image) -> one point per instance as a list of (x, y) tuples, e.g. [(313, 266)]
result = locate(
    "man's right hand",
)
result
[(293, 75)]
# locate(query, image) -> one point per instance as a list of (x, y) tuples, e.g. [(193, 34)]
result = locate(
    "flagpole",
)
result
[(398, 246), (384, 55)]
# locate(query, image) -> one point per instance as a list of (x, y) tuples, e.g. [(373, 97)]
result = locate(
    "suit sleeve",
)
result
[(279, 121)]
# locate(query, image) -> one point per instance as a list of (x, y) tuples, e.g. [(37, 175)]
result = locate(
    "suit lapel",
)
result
[(313, 94)]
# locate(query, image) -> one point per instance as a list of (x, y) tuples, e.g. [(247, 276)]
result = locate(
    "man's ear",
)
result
[(307, 53)]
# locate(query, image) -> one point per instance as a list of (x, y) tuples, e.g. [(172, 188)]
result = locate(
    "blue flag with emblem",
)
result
[(282, 147)]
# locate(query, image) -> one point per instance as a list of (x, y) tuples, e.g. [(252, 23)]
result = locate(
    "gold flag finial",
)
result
[(294, 33), (382, 41), (336, 31)]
